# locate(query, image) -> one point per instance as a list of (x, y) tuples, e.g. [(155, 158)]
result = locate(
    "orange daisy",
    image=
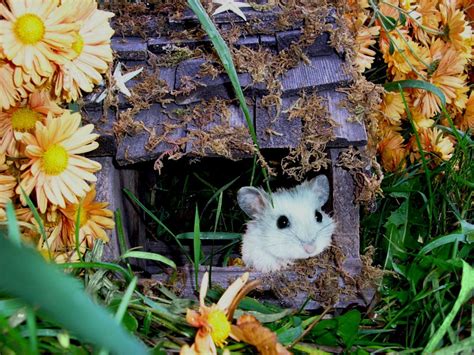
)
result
[(448, 78), (434, 143), (456, 28), (7, 186), (55, 170), (428, 16), (94, 219), (92, 51), (18, 120), (466, 121), (8, 92), (392, 107), (365, 39), (392, 151)]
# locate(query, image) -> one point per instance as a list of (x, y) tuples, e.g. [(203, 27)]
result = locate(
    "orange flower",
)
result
[(365, 39), (434, 144), (18, 120), (392, 151), (428, 17), (94, 219), (7, 186), (92, 51), (392, 107), (55, 170), (8, 92), (456, 28), (34, 33), (212, 322), (448, 78), (466, 121)]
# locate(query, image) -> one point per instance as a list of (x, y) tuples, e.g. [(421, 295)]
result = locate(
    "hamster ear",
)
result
[(252, 201), (320, 187)]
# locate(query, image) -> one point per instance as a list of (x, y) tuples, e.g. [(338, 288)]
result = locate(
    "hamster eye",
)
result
[(318, 216), (283, 222)]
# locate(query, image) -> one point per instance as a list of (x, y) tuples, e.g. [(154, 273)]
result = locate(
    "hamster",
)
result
[(294, 227)]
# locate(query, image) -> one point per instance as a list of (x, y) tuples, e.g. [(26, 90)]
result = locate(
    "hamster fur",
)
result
[(295, 227)]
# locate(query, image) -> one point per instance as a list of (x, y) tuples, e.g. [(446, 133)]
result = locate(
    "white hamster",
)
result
[(295, 227)]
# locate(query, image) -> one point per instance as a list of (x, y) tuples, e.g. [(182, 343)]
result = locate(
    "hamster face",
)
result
[(292, 227), (295, 227)]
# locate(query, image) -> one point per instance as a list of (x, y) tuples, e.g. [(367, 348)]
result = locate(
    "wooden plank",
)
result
[(323, 73), (276, 131), (130, 48), (347, 133), (346, 212), (132, 148), (224, 276)]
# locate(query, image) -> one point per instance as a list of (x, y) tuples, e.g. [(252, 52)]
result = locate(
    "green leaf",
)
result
[(416, 84), (391, 48), (287, 336), (148, 256), (447, 239), (348, 327), (27, 276), (402, 18), (467, 286), (468, 230)]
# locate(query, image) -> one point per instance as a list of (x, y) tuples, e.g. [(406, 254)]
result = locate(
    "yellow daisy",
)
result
[(94, 219), (456, 28), (33, 33), (55, 170), (18, 120), (392, 151), (92, 51)]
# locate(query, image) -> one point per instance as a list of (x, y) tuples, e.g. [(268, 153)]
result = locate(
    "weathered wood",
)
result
[(269, 41), (132, 148), (130, 48), (323, 73), (346, 212), (224, 276)]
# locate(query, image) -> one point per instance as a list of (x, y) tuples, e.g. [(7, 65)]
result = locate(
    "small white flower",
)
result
[(230, 5)]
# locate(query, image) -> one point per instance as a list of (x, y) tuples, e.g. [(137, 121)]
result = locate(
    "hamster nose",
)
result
[(309, 248)]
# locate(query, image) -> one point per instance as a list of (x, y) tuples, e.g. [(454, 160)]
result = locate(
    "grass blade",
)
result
[(467, 285), (211, 235), (12, 224), (120, 231), (416, 84), (99, 265), (196, 246), (149, 256), (127, 296), (27, 276), (32, 330)]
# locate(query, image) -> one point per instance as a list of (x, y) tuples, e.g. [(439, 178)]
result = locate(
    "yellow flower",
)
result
[(18, 120), (456, 28), (213, 322), (434, 144), (392, 151), (94, 219), (392, 107), (92, 51), (365, 39), (420, 120), (36, 34), (55, 170), (448, 78)]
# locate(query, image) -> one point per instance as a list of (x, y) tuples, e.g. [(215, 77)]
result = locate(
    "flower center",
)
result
[(29, 29), (55, 160), (24, 119), (78, 45), (220, 326)]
